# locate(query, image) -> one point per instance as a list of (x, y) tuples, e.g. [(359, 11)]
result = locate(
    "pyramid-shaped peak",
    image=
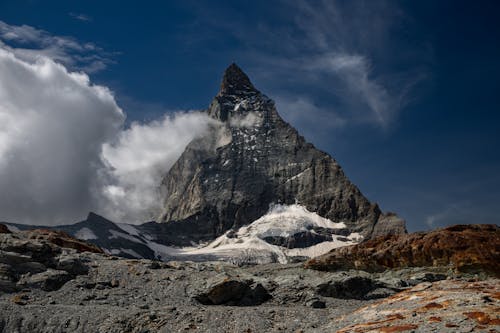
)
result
[(235, 82)]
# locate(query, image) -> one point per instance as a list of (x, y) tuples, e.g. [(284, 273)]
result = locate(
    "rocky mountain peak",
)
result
[(259, 161), (235, 82)]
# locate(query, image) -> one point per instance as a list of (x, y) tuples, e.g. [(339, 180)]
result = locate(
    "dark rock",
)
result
[(4, 229), (72, 265), (49, 280), (425, 277), (316, 304), (229, 178), (298, 240), (356, 287), (234, 292), (13, 258)]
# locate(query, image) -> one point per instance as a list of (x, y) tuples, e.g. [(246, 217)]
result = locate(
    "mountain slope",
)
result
[(253, 160)]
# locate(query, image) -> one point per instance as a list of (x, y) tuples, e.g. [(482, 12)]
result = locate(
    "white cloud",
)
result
[(64, 152), (138, 160), (29, 43), (80, 17), (53, 124)]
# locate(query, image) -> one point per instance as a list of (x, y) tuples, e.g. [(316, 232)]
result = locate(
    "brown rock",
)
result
[(4, 229), (468, 248), (62, 239), (452, 306)]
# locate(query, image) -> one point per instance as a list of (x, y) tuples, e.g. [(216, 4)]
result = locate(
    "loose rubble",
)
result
[(63, 290)]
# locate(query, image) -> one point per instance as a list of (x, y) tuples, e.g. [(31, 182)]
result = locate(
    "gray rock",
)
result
[(13, 258), (316, 304), (72, 265), (351, 287), (252, 160), (49, 280), (234, 292), (389, 224)]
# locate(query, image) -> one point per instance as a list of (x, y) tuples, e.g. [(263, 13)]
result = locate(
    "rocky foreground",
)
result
[(50, 282)]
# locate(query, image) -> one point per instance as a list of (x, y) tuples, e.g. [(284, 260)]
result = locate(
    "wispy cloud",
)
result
[(29, 43), (80, 17), (333, 54)]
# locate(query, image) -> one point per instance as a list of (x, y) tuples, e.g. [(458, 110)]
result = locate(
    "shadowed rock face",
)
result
[(469, 248), (252, 160), (40, 258)]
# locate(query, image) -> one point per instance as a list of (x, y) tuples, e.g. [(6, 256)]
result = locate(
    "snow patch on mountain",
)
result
[(85, 234), (247, 244)]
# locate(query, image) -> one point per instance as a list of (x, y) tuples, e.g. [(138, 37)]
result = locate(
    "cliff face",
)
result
[(255, 159)]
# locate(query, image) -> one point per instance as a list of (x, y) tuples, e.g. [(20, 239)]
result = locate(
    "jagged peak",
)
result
[(235, 82)]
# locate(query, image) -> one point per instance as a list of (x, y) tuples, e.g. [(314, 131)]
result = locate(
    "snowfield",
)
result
[(248, 244)]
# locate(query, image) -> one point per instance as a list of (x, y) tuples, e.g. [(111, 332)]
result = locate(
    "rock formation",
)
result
[(466, 248), (255, 159), (40, 258)]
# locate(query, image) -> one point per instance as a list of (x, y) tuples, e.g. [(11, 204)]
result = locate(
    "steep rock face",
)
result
[(468, 248), (255, 159)]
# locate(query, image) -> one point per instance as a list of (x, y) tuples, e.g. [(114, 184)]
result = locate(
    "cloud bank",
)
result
[(52, 126), (139, 158), (64, 149)]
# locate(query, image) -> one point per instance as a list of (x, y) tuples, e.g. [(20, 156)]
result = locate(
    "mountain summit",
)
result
[(235, 81), (255, 160)]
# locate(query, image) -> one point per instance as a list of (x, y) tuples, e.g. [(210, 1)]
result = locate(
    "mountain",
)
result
[(114, 238), (252, 161), (251, 191), (282, 235)]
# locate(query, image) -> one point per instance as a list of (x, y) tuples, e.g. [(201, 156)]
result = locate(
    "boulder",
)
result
[(355, 287), (234, 292), (49, 280)]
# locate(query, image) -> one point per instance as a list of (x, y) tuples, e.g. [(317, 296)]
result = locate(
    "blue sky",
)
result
[(403, 94)]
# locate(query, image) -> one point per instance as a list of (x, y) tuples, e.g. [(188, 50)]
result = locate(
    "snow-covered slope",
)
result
[(285, 233), (257, 242)]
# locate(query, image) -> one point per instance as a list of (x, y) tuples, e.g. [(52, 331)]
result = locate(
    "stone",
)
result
[(4, 229), (251, 159), (72, 265), (316, 304), (234, 292), (467, 248), (350, 287), (49, 280)]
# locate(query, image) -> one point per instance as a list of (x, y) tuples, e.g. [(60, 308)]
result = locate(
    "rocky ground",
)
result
[(53, 283)]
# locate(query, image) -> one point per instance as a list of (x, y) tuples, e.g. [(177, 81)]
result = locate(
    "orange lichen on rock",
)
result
[(441, 306), (431, 306), (400, 328), (468, 248), (481, 317)]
